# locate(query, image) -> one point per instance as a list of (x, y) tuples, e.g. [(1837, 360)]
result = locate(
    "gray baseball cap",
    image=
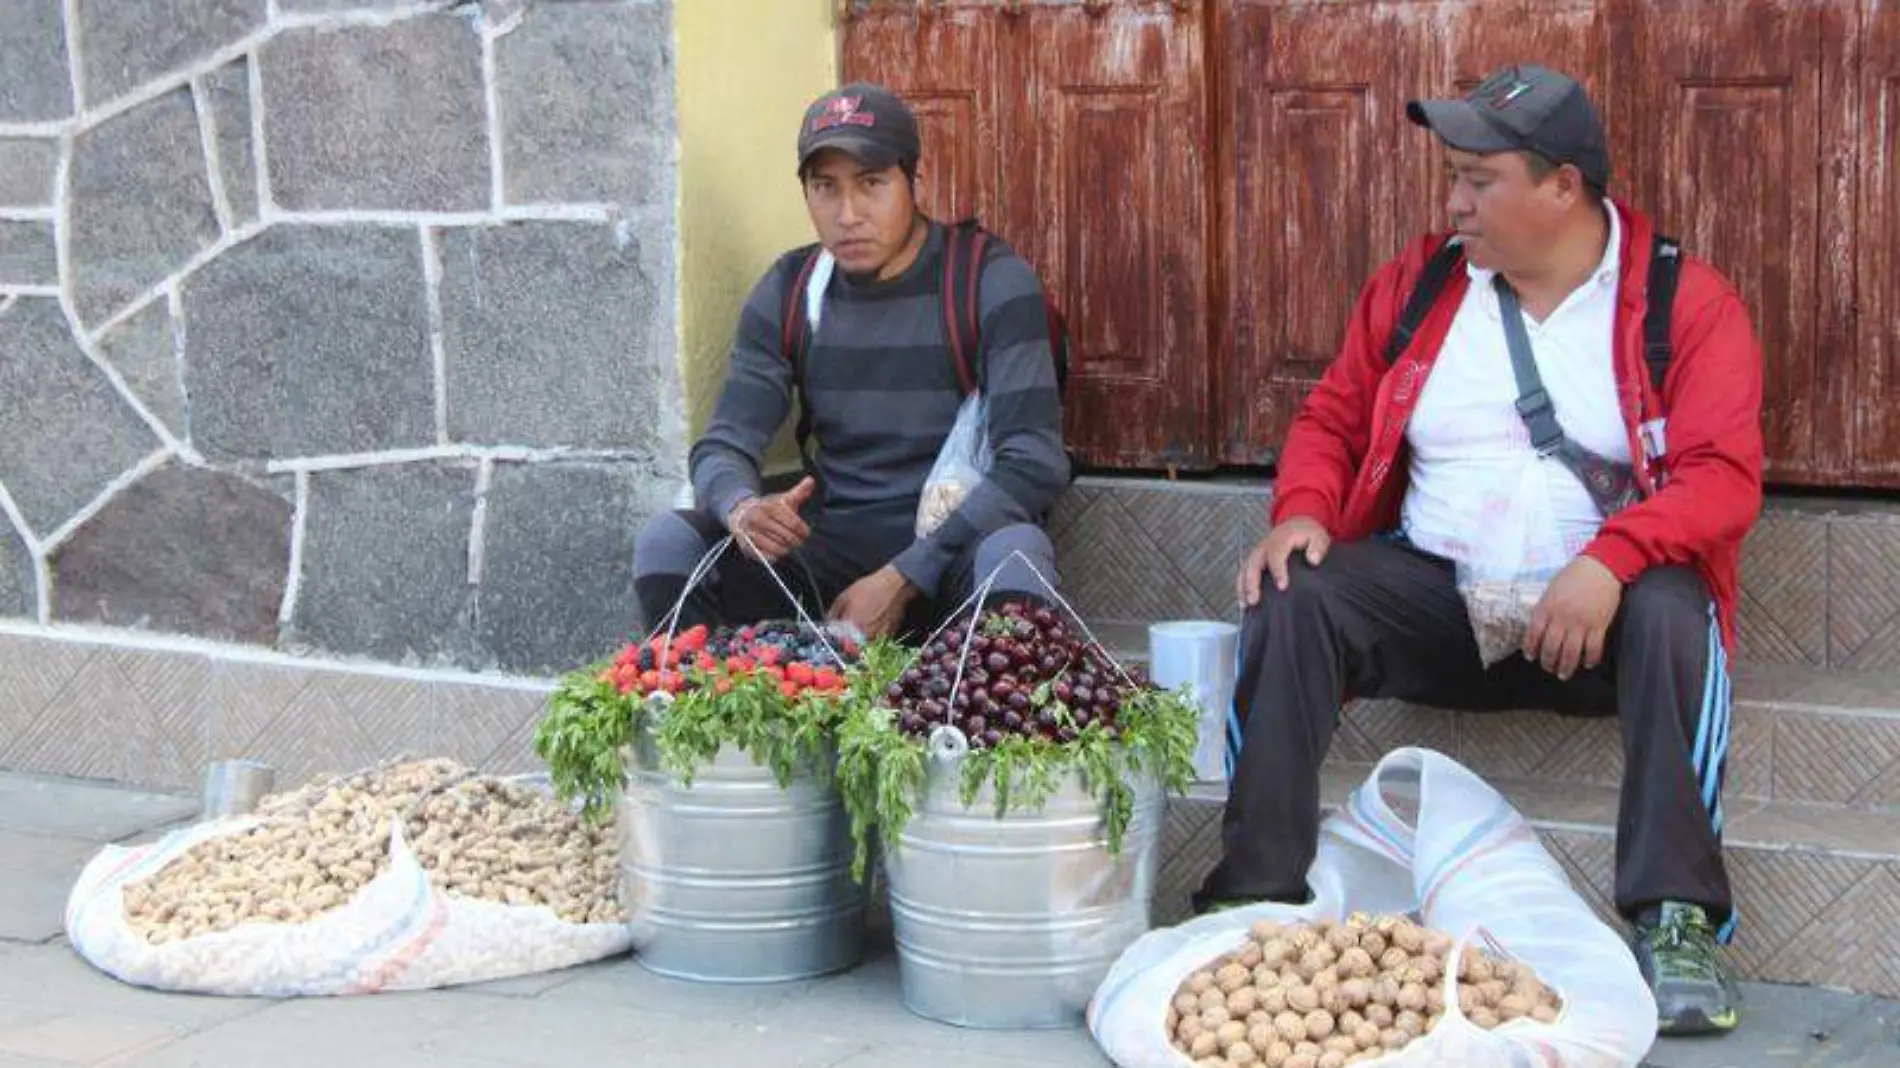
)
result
[(867, 121), (1523, 109)]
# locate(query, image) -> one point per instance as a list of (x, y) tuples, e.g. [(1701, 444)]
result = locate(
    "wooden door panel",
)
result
[(1729, 159), (1116, 112), (942, 59), (1315, 96), (1876, 453)]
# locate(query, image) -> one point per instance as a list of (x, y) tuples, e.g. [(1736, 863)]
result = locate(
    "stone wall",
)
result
[(342, 327)]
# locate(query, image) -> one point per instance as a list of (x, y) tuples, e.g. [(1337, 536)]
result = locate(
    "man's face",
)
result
[(1507, 218), (863, 216)]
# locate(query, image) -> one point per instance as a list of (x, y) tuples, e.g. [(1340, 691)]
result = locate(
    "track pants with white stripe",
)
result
[(1379, 619)]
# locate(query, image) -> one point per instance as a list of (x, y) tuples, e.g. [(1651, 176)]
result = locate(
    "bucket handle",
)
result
[(704, 568), (983, 591)]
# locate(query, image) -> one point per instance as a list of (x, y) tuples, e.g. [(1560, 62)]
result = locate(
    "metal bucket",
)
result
[(735, 880), (1012, 923)]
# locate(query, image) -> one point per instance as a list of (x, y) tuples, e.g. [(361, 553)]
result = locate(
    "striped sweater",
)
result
[(883, 392)]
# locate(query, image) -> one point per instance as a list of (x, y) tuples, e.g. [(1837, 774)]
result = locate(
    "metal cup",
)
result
[(234, 787)]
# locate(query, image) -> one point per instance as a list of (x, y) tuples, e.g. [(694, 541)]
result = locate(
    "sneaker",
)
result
[(1675, 948)]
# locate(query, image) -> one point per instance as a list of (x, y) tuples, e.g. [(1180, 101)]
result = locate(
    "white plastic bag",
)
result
[(962, 462), (396, 933), (1470, 866), (1503, 577)]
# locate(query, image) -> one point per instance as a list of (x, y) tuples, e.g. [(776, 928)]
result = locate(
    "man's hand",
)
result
[(1570, 622), (772, 523), (1271, 555), (875, 604)]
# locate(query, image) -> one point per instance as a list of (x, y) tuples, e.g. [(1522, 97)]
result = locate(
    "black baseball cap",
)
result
[(867, 121), (1523, 109)]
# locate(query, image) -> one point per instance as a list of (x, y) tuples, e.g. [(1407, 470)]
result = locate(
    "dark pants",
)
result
[(1377, 619), (842, 549)]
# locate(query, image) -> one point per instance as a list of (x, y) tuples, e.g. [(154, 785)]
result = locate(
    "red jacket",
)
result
[(1345, 463)]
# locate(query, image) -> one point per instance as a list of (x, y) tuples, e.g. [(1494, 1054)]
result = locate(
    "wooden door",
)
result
[(1329, 179), (1730, 149), (1084, 125), (1876, 244)]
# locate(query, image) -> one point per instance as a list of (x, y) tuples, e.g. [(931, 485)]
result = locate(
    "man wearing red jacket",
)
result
[(1526, 388)]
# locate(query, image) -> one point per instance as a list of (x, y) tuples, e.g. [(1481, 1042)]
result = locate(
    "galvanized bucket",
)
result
[(1011, 922), (733, 879)]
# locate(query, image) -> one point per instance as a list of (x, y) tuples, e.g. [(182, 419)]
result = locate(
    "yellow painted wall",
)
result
[(746, 70)]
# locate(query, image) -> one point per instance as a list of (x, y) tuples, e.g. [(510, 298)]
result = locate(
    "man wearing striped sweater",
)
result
[(873, 365)]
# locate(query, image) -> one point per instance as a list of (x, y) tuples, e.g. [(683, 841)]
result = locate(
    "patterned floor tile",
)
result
[(34, 672), (1368, 730), (1837, 759), (1783, 613), (1524, 745), (1864, 595), (489, 727), (1783, 895)]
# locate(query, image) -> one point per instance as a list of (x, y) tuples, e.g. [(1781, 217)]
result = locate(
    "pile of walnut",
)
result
[(478, 837), (1332, 994)]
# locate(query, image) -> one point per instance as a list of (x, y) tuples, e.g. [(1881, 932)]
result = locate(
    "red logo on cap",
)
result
[(843, 111)]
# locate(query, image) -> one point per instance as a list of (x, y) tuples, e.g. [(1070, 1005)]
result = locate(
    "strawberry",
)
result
[(739, 665), (768, 654), (827, 679), (706, 662), (625, 686), (799, 672), (722, 686), (694, 638), (777, 673), (789, 689), (649, 681), (609, 675), (672, 681)]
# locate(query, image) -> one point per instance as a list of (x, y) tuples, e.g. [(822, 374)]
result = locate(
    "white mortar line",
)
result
[(591, 213), (214, 162), (75, 64), (499, 453), (90, 347), (152, 90), (18, 519), (46, 214), (177, 278), (11, 292), (175, 305), (359, 18), (97, 504), (42, 568), (6, 301), (260, 158), (62, 222), (42, 130), (293, 578), (438, 354), (491, 93), (477, 539), (80, 634)]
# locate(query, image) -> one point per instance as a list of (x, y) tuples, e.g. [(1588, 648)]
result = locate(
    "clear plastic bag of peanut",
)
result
[(962, 462)]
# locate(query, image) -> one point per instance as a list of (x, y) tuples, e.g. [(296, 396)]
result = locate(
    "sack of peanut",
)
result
[(408, 876)]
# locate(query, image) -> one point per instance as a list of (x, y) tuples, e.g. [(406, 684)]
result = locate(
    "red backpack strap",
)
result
[(963, 253)]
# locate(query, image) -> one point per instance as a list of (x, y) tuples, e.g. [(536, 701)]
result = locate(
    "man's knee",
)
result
[(1665, 602), (1015, 555), (672, 543)]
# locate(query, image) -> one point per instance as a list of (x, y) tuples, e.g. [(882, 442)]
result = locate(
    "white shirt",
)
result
[(1479, 492)]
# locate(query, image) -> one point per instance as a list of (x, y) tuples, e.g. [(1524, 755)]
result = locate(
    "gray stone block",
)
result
[(183, 549), (309, 340), (228, 92), (385, 563), (37, 87), (378, 117), (557, 563), (587, 104), (143, 351), (19, 585), (300, 6), (27, 167), (141, 203), (130, 42), (64, 431), (545, 327), (28, 255)]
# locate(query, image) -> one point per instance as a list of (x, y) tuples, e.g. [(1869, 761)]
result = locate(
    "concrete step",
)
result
[(1818, 886)]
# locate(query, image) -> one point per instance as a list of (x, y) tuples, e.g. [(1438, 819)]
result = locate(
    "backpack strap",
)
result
[(1431, 282), (1665, 269), (795, 346), (964, 248)]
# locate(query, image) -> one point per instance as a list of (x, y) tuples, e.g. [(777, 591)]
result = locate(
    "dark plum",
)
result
[(1001, 689), (1013, 721), (895, 692), (1083, 697), (992, 739), (1043, 618), (1067, 734), (912, 676), (960, 702), (977, 724), (1019, 701), (952, 641), (1047, 718), (912, 723), (1063, 692), (1085, 679), (997, 662), (930, 709)]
